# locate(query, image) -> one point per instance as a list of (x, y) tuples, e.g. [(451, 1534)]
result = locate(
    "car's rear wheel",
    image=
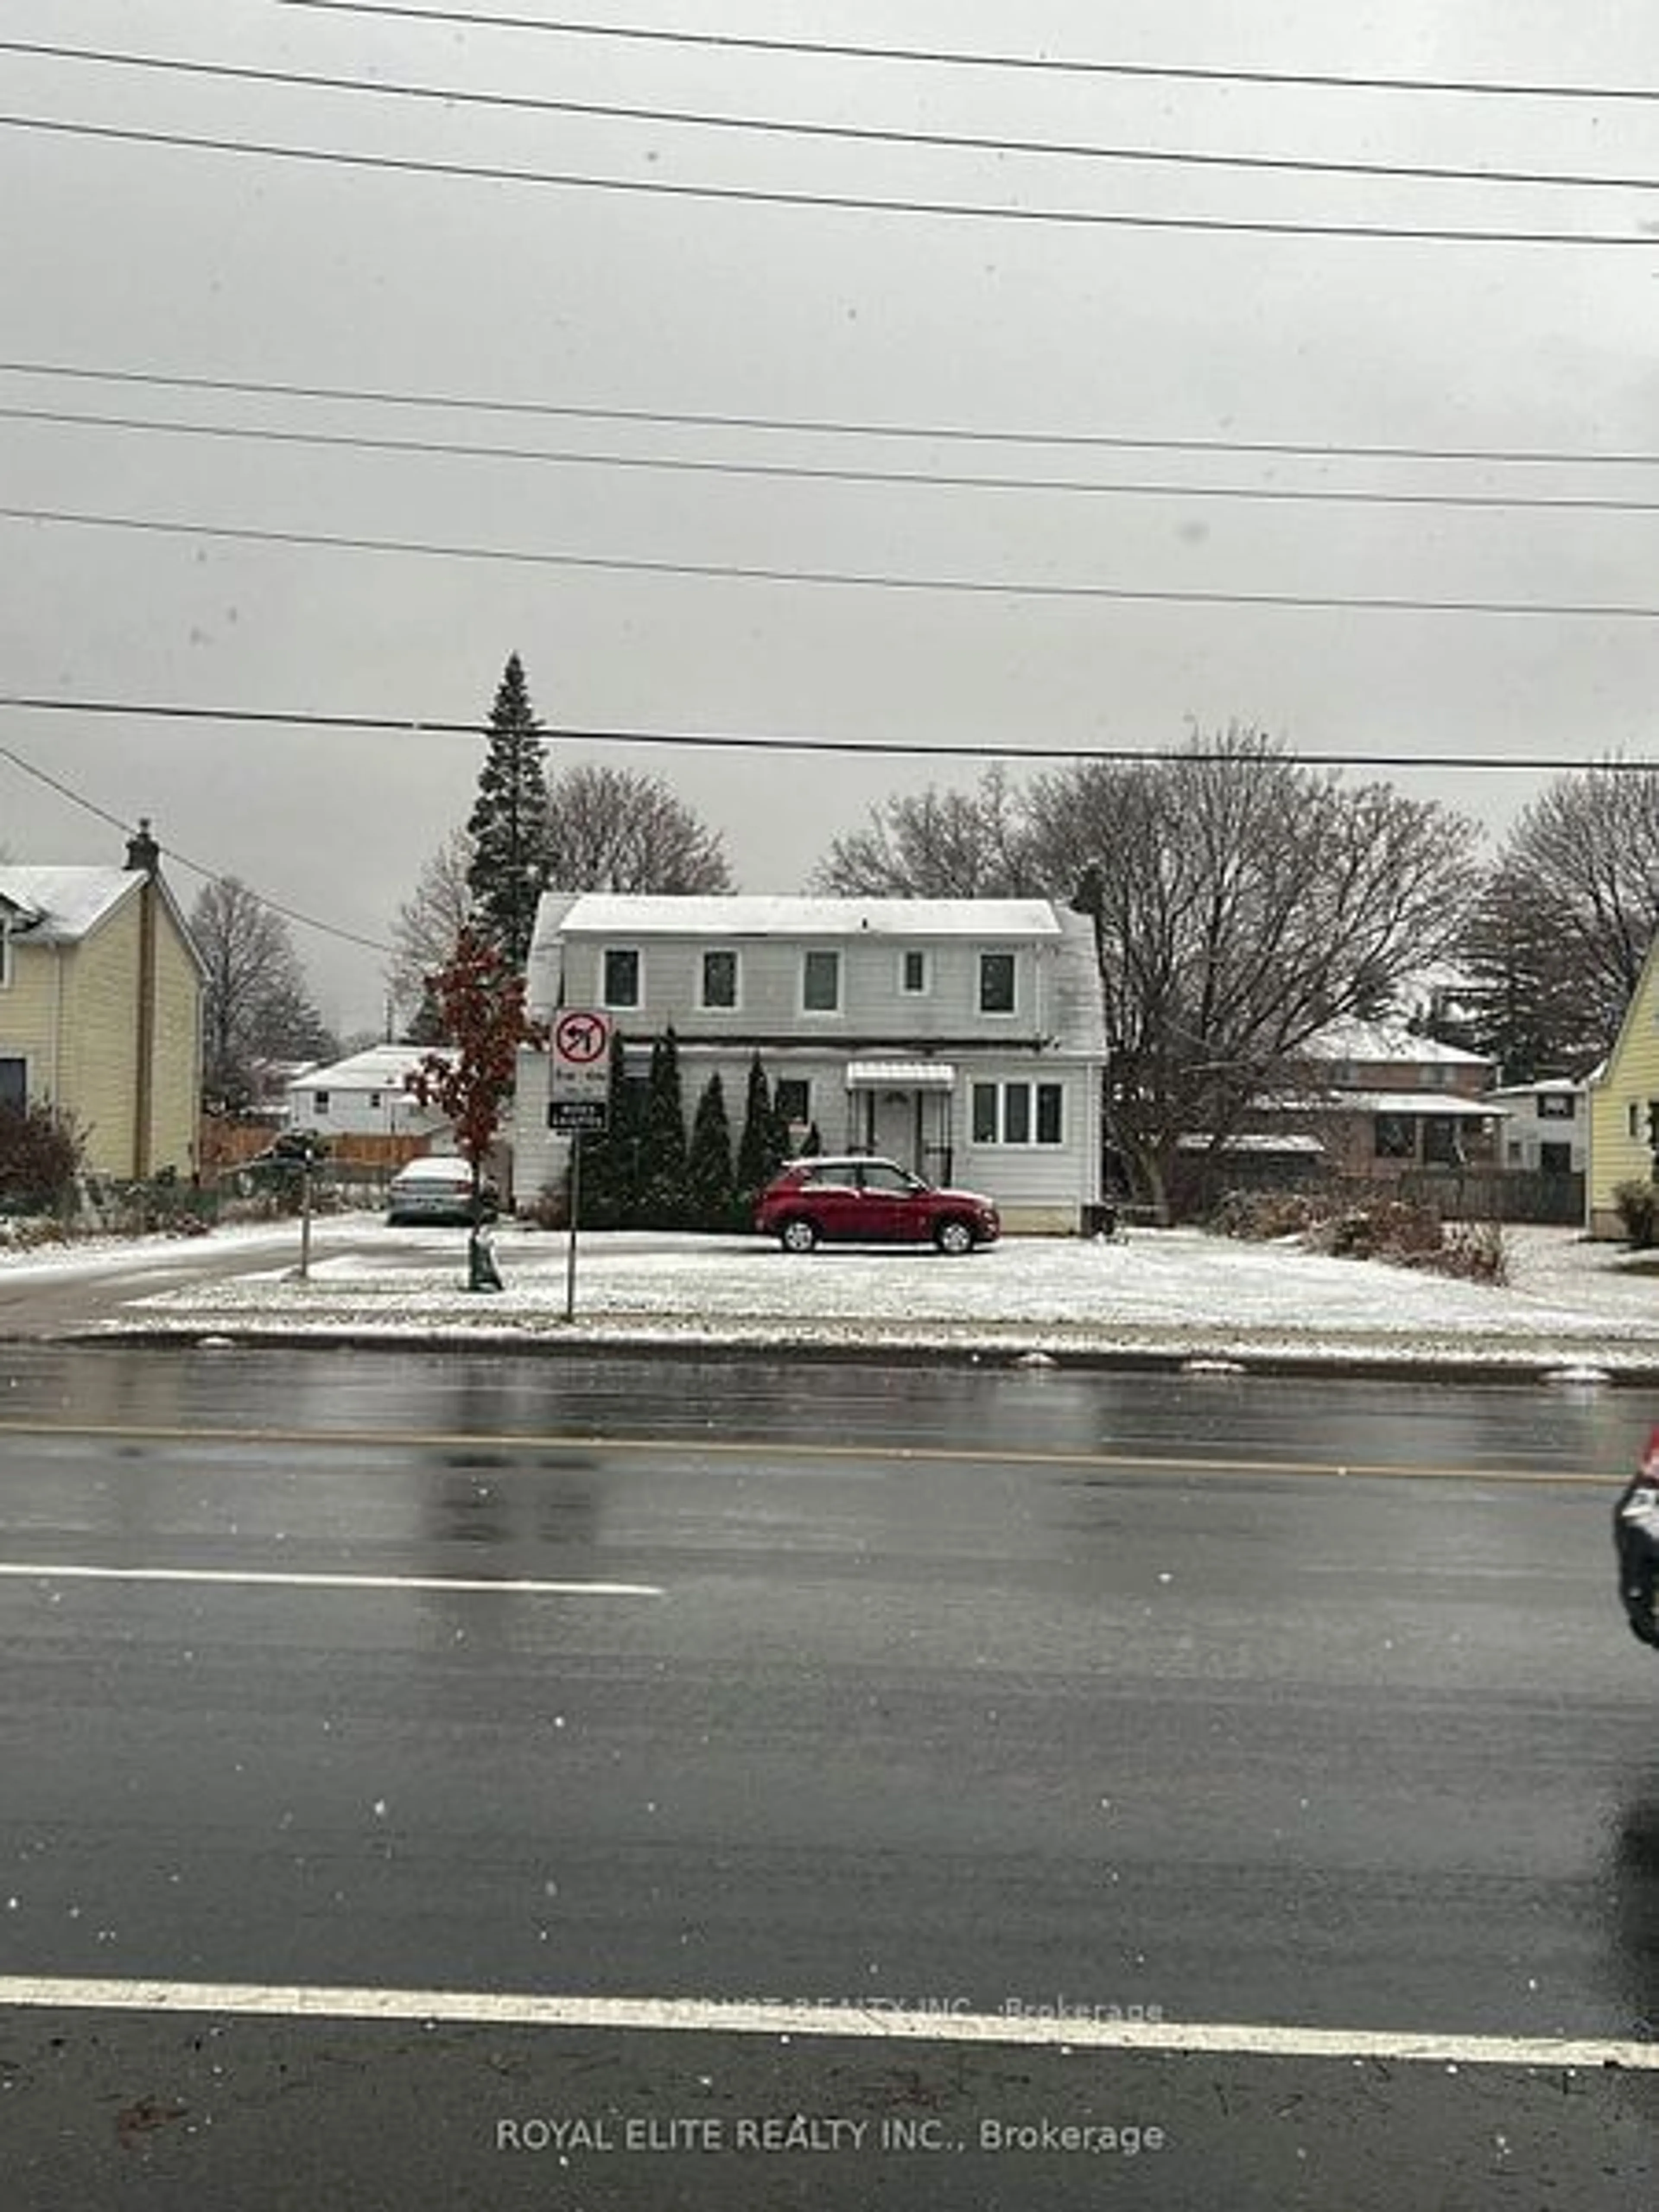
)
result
[(797, 1234), (954, 1236)]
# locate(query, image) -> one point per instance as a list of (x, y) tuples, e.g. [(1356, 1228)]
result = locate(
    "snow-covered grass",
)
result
[(1566, 1301)]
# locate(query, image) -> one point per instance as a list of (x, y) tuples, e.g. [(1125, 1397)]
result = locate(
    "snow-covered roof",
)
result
[(70, 900), (1563, 1086), (379, 1067), (604, 913), (1289, 1141), (1384, 1041), (1435, 1105)]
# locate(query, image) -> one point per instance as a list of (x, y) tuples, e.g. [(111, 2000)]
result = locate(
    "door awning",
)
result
[(900, 1075)]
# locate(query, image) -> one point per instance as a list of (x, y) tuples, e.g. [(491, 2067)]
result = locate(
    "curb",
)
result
[(1195, 1360)]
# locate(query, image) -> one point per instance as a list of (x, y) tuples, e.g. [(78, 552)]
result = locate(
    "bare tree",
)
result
[(256, 1003), (429, 924), (938, 844), (612, 829), (1582, 866), (1241, 903)]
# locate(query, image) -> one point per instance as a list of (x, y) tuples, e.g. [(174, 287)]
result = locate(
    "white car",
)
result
[(438, 1188)]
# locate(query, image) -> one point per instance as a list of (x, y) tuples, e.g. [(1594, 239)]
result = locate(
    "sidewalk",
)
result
[(1150, 1298)]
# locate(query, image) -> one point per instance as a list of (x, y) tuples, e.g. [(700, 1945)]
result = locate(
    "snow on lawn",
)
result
[(104, 1256), (1566, 1299)]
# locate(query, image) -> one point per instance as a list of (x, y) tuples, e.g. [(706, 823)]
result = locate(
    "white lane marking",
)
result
[(55, 1570), (715, 2016)]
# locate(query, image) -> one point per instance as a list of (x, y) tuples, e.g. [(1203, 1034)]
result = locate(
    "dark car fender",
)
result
[(1636, 1539)]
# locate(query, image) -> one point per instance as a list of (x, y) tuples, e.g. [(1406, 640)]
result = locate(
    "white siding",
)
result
[(1055, 1034)]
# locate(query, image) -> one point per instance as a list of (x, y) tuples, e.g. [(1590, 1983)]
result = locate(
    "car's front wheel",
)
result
[(954, 1237), (797, 1234)]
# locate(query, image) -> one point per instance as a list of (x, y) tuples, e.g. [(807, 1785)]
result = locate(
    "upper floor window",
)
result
[(913, 972), (719, 979), (996, 983), (622, 976), (1556, 1105), (5, 954), (820, 982)]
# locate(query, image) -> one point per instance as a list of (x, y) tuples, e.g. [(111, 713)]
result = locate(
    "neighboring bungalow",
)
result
[(1546, 1125), (100, 1008), (962, 1037), (1624, 1106), (363, 1095)]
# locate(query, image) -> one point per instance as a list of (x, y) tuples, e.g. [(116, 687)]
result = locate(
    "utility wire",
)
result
[(755, 196), (978, 587), (1042, 64), (931, 433), (196, 868), (811, 473), (873, 748), (454, 96)]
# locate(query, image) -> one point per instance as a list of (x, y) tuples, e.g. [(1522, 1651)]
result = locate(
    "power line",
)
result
[(756, 196), (978, 587), (196, 868), (814, 473), (749, 741), (931, 433), (455, 96), (1041, 64)]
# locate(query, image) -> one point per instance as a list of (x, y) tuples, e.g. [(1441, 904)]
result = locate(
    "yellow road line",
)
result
[(1444, 2048), (705, 1446)]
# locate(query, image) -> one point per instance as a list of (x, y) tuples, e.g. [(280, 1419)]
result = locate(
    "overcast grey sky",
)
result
[(175, 261)]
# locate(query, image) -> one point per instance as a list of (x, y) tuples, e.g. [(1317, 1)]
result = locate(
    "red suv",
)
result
[(857, 1200)]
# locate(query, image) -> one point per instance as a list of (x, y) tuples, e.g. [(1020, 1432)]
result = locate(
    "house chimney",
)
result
[(143, 850)]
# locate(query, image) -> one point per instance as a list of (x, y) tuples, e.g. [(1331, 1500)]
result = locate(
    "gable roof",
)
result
[(1634, 1021), (725, 914), (50, 905), (60, 906), (377, 1067)]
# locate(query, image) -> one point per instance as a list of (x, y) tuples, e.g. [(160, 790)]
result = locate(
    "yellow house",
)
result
[(1623, 1096), (100, 998)]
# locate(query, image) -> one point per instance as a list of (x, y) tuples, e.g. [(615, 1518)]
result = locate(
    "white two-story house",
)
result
[(963, 1037)]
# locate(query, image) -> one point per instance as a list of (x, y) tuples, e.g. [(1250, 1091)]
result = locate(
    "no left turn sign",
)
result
[(582, 1040)]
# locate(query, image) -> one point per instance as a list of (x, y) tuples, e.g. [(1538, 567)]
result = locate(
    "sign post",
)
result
[(578, 1104)]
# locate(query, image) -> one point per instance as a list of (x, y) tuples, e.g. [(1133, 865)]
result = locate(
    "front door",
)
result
[(890, 1121), (911, 1126)]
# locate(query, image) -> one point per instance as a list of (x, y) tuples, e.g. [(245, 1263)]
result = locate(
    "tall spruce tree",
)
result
[(709, 1166), (663, 1153), (764, 1139), (610, 1179), (508, 823)]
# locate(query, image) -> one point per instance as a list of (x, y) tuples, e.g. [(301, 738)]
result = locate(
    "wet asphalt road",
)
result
[(990, 1691)]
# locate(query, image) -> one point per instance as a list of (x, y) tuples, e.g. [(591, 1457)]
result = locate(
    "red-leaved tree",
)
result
[(479, 1001)]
